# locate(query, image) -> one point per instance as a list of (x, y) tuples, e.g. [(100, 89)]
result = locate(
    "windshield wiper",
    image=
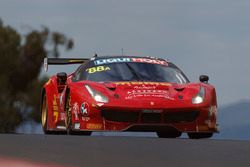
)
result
[(134, 72)]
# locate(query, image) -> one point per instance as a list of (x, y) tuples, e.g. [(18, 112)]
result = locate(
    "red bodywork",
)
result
[(132, 106)]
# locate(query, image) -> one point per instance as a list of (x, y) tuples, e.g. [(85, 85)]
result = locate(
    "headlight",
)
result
[(199, 98), (97, 95)]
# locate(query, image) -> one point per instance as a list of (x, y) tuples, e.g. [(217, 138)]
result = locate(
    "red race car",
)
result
[(127, 93)]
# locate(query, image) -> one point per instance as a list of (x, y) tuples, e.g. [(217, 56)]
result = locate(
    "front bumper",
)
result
[(122, 119)]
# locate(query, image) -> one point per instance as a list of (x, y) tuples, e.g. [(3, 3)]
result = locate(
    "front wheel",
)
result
[(168, 134), (200, 135), (68, 120), (83, 133)]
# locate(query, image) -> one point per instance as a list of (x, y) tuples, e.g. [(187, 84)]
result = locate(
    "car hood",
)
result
[(153, 90), (147, 94)]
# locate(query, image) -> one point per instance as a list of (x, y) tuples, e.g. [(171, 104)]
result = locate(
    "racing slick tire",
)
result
[(200, 135), (174, 134), (68, 120), (44, 115)]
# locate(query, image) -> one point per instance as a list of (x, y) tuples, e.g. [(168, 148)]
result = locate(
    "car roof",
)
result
[(125, 56)]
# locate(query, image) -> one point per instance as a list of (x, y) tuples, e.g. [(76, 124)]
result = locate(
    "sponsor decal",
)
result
[(151, 61), (77, 125), (76, 110), (143, 87), (97, 69), (148, 93), (143, 83), (111, 60), (55, 109), (137, 60), (85, 109), (152, 111), (202, 128), (94, 126), (85, 119)]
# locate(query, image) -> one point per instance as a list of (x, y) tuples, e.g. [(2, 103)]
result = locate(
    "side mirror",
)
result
[(204, 78), (61, 78)]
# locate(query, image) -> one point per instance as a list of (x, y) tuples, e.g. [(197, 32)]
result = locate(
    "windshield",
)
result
[(133, 71)]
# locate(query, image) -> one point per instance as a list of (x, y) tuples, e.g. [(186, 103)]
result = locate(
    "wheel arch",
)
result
[(49, 90), (67, 93), (43, 92)]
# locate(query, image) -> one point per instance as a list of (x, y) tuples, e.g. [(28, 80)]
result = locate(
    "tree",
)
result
[(21, 59)]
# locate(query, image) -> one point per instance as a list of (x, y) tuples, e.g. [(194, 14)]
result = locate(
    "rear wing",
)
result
[(62, 61)]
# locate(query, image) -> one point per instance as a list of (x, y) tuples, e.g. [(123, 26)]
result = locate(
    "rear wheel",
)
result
[(44, 115), (200, 135), (174, 134)]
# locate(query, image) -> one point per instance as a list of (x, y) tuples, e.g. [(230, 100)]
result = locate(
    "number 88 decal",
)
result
[(97, 69)]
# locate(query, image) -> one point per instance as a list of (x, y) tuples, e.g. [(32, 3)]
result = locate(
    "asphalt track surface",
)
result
[(114, 151)]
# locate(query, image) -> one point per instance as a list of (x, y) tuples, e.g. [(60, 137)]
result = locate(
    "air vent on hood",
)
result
[(179, 89), (110, 85)]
